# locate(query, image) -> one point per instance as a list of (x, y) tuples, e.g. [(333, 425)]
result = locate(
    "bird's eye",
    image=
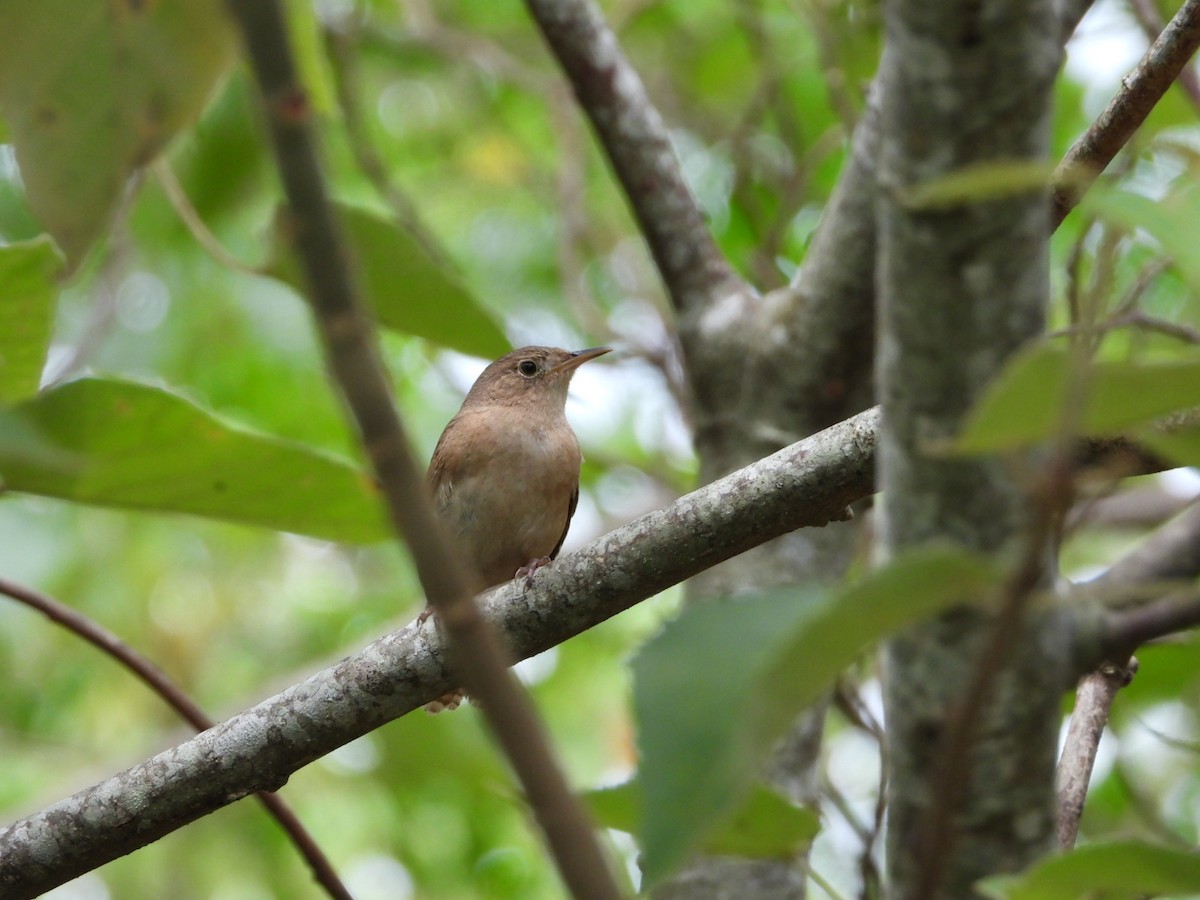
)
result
[(527, 367)]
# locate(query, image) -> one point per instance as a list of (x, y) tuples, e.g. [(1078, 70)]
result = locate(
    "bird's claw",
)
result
[(448, 702), (526, 571)]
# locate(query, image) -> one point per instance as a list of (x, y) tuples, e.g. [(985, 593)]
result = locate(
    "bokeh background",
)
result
[(459, 128)]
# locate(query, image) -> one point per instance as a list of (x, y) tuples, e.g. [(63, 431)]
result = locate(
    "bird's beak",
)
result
[(578, 358)]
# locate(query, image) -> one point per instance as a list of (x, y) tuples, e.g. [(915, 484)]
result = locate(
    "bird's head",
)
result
[(530, 375)]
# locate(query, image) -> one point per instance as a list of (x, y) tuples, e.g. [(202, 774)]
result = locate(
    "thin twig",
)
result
[(1140, 91), (632, 133), (423, 25), (1148, 16), (1148, 810), (1175, 743), (478, 655), (822, 882), (790, 186), (102, 312), (175, 697), (573, 220), (182, 204), (1094, 697), (1173, 552), (1145, 278), (346, 81), (850, 704)]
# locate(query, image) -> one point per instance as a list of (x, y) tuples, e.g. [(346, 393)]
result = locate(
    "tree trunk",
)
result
[(962, 286)]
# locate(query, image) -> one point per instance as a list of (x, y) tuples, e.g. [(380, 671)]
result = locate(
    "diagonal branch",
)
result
[(1151, 20), (808, 483), (1171, 553), (1126, 112), (354, 362), (175, 697), (635, 139)]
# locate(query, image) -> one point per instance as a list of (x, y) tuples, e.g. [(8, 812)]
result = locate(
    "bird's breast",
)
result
[(507, 497)]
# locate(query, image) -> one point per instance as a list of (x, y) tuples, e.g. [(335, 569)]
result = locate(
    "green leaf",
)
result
[(1181, 447), (1171, 221), (304, 35), (408, 290), (28, 288), (765, 826), (619, 806), (1126, 869), (914, 587), (21, 442), (688, 684), (1027, 403), (723, 682), (979, 182), (140, 447), (91, 91)]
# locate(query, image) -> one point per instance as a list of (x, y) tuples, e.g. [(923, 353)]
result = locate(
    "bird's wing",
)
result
[(566, 525), (445, 468)]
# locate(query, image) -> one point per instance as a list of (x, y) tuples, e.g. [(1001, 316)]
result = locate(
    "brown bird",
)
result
[(505, 472)]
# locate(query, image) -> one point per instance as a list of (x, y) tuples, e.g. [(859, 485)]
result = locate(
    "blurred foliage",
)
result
[(449, 123), (705, 732)]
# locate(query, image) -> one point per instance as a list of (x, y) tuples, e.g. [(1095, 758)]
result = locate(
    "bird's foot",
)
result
[(448, 702), (424, 614), (526, 571)]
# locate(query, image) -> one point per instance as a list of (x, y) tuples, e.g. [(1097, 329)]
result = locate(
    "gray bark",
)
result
[(961, 287)]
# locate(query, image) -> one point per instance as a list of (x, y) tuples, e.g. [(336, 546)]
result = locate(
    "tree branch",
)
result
[(635, 139), (1093, 699), (1148, 16), (712, 301), (352, 354), (1139, 93), (175, 697), (1171, 553), (809, 483)]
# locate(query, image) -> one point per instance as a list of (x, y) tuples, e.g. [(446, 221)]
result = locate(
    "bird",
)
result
[(505, 473)]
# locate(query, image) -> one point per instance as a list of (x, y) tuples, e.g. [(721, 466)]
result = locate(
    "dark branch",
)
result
[(354, 362), (1132, 628), (633, 136), (1148, 16), (1139, 93), (175, 697)]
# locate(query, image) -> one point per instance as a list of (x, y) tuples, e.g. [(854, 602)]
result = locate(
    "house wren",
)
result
[(505, 472)]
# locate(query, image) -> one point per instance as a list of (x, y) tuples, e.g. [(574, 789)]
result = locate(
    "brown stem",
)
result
[(1148, 16), (635, 139), (1139, 93), (366, 156), (478, 655), (174, 696), (1093, 699), (1172, 552)]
